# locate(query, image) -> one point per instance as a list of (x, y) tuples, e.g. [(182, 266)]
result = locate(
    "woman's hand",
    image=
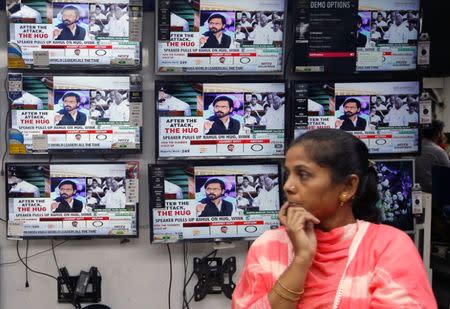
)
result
[(299, 224)]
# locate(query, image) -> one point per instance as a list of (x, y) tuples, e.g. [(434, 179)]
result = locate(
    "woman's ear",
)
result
[(351, 186)]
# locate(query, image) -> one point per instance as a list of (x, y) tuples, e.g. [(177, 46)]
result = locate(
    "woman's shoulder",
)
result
[(382, 235)]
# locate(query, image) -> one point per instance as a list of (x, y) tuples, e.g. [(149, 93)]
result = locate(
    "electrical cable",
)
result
[(27, 284), (54, 257), (36, 254), (170, 276), (29, 268), (1, 219)]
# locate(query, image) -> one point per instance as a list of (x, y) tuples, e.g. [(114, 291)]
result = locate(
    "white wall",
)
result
[(135, 274)]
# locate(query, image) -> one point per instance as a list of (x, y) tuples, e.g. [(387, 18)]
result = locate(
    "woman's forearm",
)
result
[(289, 287)]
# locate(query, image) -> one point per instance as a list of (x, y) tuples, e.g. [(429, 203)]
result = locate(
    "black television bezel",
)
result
[(278, 163), (109, 151), (371, 155), (356, 72), (222, 73), (413, 165), (287, 113), (55, 68), (67, 237)]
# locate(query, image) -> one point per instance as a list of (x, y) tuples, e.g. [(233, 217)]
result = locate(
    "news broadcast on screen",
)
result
[(383, 115), (192, 202), (51, 113), (220, 36), (65, 34), (395, 182), (352, 36), (72, 200), (198, 120)]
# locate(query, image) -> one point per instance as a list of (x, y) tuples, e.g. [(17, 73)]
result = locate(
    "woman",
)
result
[(328, 254)]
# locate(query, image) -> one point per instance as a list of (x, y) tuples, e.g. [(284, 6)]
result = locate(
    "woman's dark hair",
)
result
[(344, 154)]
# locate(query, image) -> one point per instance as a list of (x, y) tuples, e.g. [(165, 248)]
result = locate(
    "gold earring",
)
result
[(342, 199)]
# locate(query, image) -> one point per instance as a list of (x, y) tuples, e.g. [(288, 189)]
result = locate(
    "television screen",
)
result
[(59, 200), (440, 219), (60, 34), (220, 36), (214, 202), (54, 113), (204, 120), (349, 36), (395, 181), (385, 115)]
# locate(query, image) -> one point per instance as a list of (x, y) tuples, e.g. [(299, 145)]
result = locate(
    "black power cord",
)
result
[(6, 128), (54, 257), (31, 256), (170, 276), (29, 268), (3, 220), (27, 284)]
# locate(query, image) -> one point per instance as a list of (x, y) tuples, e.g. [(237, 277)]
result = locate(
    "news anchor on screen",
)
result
[(66, 202), (350, 121), (69, 115), (222, 122), (215, 37), (68, 29), (213, 205)]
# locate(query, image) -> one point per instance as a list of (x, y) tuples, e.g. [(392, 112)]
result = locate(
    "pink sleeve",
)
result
[(399, 279), (254, 284)]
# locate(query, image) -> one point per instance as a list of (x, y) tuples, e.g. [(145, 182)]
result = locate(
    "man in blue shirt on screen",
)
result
[(222, 122), (70, 116), (213, 205), (68, 29)]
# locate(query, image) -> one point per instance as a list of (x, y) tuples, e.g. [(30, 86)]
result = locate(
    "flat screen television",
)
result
[(72, 200), (210, 120), (55, 113), (184, 199), (440, 219), (212, 36), (395, 182), (356, 36), (74, 35), (385, 115)]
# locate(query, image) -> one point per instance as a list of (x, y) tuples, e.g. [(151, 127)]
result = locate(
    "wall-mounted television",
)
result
[(395, 182), (213, 202), (210, 120), (356, 36), (56, 113), (70, 35), (212, 36), (72, 200), (385, 115)]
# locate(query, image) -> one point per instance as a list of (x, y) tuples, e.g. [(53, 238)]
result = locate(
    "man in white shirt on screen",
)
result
[(167, 102), (268, 197), (246, 187), (115, 197), (242, 202), (119, 109), (32, 101), (179, 22), (412, 33), (412, 117), (263, 33), (173, 189), (397, 31), (315, 108), (277, 33), (19, 10), (97, 14), (274, 117), (249, 120), (398, 115), (244, 21), (118, 24), (18, 185)]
